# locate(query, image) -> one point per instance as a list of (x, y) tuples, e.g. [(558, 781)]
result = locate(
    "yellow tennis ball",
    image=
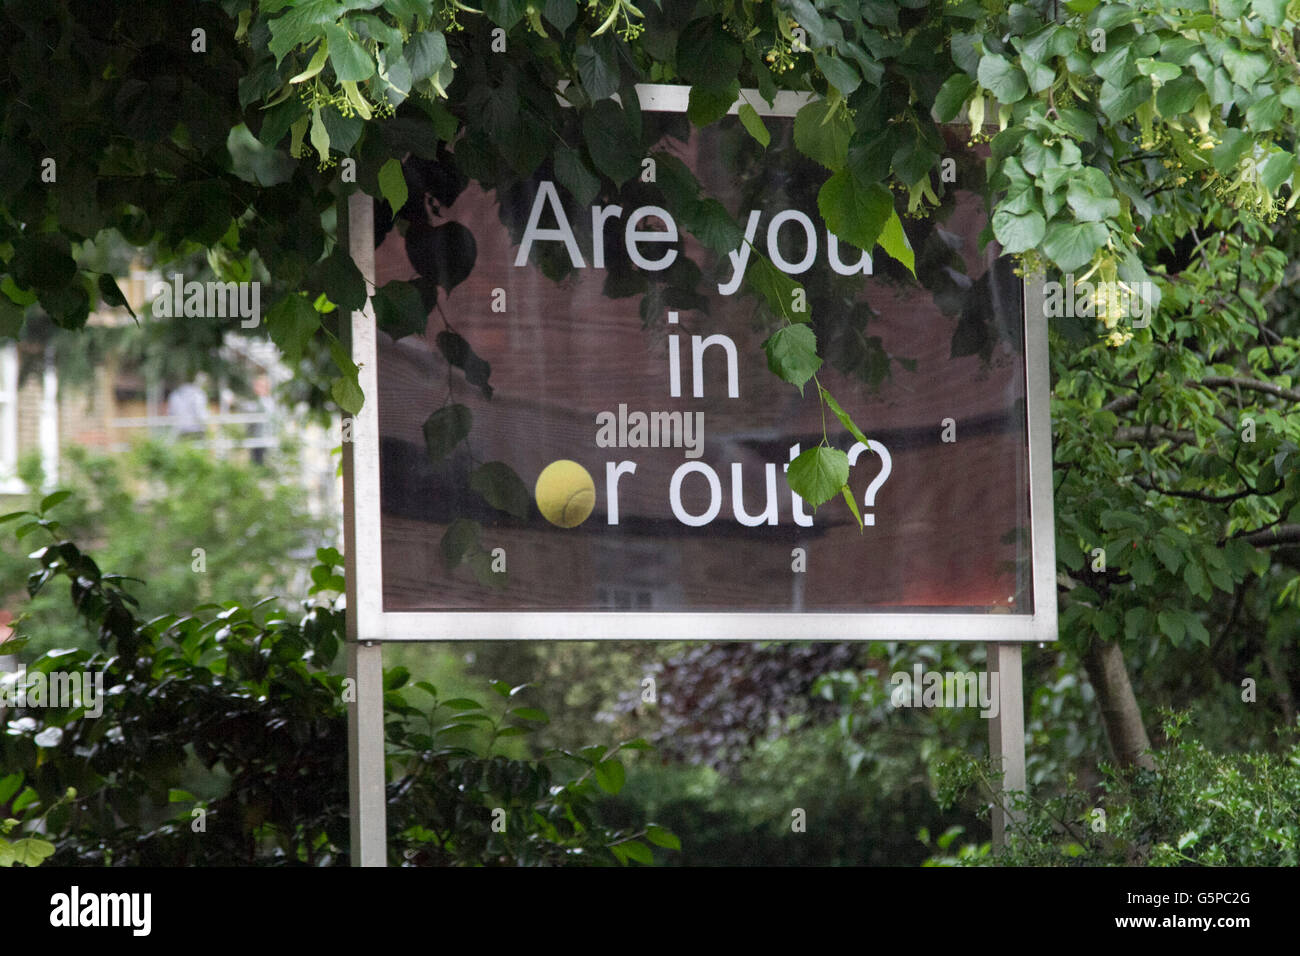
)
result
[(565, 493)]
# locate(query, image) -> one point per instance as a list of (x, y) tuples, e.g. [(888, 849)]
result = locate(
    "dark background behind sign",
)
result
[(951, 528)]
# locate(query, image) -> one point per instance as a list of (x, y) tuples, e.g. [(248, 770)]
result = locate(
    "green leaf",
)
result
[(502, 488), (1079, 124), (112, 295), (1172, 626), (1272, 12), (341, 281), (1002, 78), (399, 310), (9, 786), (1018, 232), (562, 13), (458, 353), (707, 55), (347, 394), (839, 73), (818, 474), (1039, 75), (952, 96), (504, 13), (1246, 69), (1195, 629), (393, 184), (299, 25), (14, 294), (664, 838), (1231, 149), (1072, 245), (315, 65), (320, 137), (1178, 96), (599, 73), (753, 124), (636, 850), (823, 135), (445, 429), (792, 357), (292, 322), (1136, 622), (1168, 554), (610, 776), (843, 416), (776, 288), (574, 175), (1119, 102), (1265, 114), (425, 53), (894, 241), (709, 104), (462, 703), (43, 262), (1276, 170), (49, 501), (852, 502), (530, 713), (351, 62), (1090, 196), (30, 851), (460, 538), (611, 141), (1164, 72), (854, 211), (710, 223)]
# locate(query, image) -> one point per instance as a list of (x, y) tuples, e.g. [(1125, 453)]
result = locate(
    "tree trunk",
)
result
[(1104, 663)]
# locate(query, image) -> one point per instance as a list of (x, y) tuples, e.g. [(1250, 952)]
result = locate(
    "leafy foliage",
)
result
[(222, 741), (1196, 807), (147, 509)]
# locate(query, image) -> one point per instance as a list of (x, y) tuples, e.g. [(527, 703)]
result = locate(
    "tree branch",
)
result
[(1250, 384), (1195, 495), (1145, 433), (1127, 403), (1271, 537)]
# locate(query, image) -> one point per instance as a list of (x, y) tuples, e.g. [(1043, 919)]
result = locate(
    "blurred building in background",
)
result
[(123, 402)]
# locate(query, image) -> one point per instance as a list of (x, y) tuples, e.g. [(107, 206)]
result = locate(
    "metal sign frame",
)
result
[(368, 624)]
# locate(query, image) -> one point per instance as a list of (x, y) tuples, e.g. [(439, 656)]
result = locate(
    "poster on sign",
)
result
[(585, 439)]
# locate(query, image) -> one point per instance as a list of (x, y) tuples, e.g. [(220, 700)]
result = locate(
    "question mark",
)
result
[(887, 466)]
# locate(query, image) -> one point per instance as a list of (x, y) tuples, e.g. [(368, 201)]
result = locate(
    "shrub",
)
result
[(223, 741), (1196, 807)]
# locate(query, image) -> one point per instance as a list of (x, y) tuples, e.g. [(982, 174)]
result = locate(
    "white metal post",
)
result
[(1007, 733), (366, 777), (366, 773)]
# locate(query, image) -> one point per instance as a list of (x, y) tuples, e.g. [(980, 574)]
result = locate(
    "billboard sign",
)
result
[(585, 441)]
